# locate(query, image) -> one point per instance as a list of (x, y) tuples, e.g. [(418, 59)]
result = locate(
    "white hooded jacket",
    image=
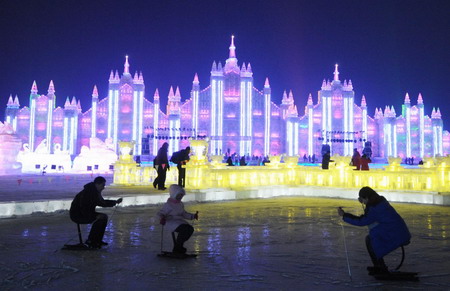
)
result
[(173, 210)]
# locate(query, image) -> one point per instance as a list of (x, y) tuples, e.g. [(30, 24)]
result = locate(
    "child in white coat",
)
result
[(172, 216)]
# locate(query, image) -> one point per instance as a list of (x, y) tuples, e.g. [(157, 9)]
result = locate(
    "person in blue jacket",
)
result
[(387, 229)]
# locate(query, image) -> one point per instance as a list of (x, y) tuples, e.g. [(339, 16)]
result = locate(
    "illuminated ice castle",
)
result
[(233, 114)]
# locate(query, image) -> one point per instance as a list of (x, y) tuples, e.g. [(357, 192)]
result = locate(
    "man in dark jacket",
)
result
[(82, 210), (183, 159), (161, 164), (387, 229), (326, 159)]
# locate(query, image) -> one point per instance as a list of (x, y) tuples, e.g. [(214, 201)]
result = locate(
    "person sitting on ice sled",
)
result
[(172, 216), (82, 211), (387, 229)]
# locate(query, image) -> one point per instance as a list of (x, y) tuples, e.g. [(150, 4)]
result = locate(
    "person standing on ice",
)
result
[(181, 158), (172, 216), (365, 160), (356, 160), (161, 163), (326, 159), (82, 210), (387, 229)]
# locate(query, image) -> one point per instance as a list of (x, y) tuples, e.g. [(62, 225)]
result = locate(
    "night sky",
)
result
[(387, 48)]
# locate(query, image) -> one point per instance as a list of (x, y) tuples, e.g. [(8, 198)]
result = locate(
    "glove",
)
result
[(196, 216), (118, 201), (162, 221)]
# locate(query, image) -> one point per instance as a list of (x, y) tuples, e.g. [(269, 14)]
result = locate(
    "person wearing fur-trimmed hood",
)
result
[(173, 217), (387, 229)]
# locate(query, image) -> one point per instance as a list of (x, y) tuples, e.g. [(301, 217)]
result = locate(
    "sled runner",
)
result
[(77, 247), (176, 255), (396, 276)]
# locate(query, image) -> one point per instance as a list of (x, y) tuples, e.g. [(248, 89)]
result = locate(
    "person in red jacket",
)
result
[(356, 160), (365, 160)]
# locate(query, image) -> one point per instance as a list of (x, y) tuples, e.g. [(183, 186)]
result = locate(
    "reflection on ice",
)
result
[(278, 244), (25, 232), (244, 235)]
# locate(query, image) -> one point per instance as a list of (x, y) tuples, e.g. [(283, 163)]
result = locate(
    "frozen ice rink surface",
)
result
[(261, 244)]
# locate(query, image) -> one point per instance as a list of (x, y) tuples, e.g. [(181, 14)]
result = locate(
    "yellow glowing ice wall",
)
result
[(128, 172), (340, 174), (434, 175)]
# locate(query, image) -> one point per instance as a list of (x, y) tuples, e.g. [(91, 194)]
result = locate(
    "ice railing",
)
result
[(433, 176)]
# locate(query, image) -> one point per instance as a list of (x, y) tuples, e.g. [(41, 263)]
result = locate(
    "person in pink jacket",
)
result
[(172, 216)]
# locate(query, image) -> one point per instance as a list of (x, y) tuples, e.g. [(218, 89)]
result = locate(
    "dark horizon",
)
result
[(387, 48)]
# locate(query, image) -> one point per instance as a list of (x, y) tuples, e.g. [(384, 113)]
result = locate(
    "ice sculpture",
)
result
[(99, 157), (41, 161), (9, 148)]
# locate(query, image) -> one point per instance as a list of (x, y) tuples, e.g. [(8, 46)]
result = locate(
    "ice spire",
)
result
[(324, 84), (243, 68), (232, 48), (310, 101), (195, 79), (266, 83), (95, 92), (67, 104), (74, 101), (433, 113), (336, 73), (284, 97), (171, 95), (51, 88), (136, 77), (350, 85), (438, 112), (16, 101), (10, 100), (126, 66), (34, 88), (214, 67), (291, 95), (363, 101), (141, 77), (407, 100), (177, 93), (249, 68), (156, 96), (116, 76), (393, 111), (111, 76), (420, 99)]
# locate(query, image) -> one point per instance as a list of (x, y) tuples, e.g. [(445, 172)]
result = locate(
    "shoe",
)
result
[(93, 245), (154, 185), (163, 188), (377, 270), (179, 250), (103, 243)]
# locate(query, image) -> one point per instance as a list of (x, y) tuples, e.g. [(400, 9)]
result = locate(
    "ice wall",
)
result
[(10, 145)]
